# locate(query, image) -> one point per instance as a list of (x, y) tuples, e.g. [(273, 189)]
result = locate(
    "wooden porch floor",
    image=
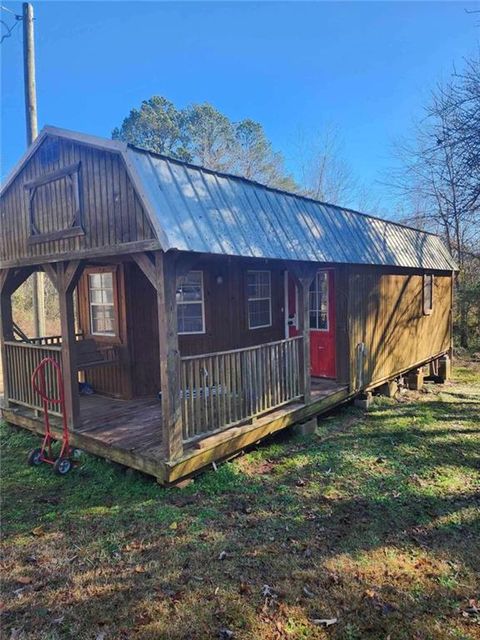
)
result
[(136, 425), (128, 424), (129, 431)]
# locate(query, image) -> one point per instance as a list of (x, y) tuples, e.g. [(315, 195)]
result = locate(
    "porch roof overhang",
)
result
[(195, 209)]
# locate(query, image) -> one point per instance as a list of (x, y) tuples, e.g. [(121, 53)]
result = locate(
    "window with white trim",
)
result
[(102, 304), (319, 302), (427, 293), (259, 299), (190, 303)]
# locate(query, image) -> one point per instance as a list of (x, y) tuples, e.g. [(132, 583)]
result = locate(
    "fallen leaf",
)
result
[(38, 531), (268, 592), (244, 587), (173, 526), (24, 580), (325, 622)]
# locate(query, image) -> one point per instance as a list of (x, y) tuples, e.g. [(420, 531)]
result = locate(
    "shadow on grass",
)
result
[(147, 559)]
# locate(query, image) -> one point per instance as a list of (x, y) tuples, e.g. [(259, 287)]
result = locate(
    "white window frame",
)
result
[(269, 298), (327, 279), (201, 301), (427, 310), (107, 334)]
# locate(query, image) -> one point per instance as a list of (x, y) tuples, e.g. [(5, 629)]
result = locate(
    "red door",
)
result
[(322, 322)]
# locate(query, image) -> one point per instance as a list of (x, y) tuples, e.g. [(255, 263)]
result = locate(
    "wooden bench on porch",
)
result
[(89, 354)]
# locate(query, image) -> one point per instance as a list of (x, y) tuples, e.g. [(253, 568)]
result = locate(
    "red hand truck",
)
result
[(63, 463)]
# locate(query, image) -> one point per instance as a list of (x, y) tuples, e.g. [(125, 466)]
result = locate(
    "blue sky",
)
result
[(365, 67)]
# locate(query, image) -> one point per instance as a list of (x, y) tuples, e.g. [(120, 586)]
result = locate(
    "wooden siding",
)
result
[(113, 380), (386, 315), (112, 214), (226, 321), (379, 309)]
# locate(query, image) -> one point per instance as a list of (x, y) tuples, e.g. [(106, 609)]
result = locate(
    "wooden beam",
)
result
[(51, 271), (3, 278), (67, 277), (166, 277), (14, 278), (72, 273), (147, 267)]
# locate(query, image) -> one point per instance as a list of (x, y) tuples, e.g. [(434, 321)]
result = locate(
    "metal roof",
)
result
[(195, 209), (210, 212)]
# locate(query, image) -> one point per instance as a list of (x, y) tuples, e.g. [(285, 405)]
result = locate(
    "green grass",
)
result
[(373, 521)]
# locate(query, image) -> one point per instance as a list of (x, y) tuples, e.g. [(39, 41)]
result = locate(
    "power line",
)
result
[(9, 30)]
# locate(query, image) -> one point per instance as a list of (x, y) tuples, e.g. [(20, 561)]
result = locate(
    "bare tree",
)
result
[(324, 174), (440, 180)]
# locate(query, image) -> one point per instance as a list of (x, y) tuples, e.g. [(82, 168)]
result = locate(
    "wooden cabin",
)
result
[(204, 310)]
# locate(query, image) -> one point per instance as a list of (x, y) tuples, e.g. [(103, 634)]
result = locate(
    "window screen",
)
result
[(102, 306), (190, 303), (259, 299)]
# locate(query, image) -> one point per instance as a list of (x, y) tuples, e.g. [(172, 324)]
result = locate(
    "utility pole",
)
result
[(38, 281)]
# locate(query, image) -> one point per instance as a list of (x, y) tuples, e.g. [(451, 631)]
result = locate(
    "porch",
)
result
[(178, 410), (129, 431)]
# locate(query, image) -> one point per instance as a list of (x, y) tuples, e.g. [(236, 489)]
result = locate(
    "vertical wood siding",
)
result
[(112, 212), (386, 315)]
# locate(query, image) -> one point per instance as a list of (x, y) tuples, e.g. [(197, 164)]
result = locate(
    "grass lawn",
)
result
[(374, 522)]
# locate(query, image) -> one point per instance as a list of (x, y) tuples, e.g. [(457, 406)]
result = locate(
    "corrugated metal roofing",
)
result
[(201, 210), (195, 209)]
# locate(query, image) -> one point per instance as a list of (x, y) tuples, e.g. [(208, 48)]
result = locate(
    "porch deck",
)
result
[(129, 431)]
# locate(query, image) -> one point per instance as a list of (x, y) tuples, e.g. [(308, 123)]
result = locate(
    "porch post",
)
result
[(304, 327), (166, 275), (304, 275), (68, 274), (10, 280), (6, 328)]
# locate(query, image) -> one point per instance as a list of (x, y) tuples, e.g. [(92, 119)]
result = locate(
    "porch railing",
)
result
[(220, 390), (21, 360), (52, 340)]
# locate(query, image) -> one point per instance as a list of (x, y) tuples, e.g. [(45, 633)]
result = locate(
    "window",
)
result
[(102, 305), (319, 302), (259, 299), (190, 303), (427, 294)]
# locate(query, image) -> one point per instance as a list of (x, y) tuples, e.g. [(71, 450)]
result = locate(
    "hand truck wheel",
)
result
[(62, 466), (35, 457)]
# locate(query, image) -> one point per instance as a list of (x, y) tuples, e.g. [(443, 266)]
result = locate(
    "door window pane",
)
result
[(319, 302)]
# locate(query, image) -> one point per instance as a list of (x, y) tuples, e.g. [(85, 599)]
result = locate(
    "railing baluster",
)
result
[(22, 358), (223, 389)]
